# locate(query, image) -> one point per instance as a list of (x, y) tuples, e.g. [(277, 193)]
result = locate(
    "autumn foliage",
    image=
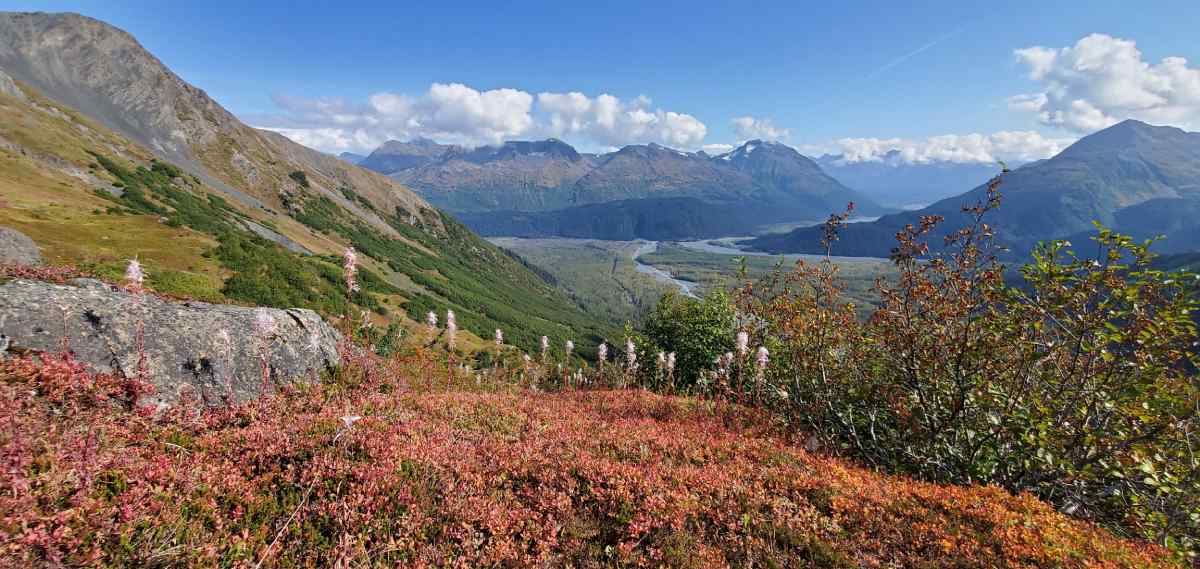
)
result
[(371, 467)]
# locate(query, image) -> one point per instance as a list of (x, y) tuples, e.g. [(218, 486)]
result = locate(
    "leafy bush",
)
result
[(300, 178), (1078, 383), (698, 331)]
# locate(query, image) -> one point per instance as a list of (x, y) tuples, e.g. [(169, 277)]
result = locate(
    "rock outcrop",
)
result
[(212, 349), (9, 87), (16, 248)]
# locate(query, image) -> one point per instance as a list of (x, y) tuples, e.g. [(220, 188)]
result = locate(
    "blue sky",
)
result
[(809, 74)]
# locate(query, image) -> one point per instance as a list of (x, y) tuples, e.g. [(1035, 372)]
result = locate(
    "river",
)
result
[(685, 287)]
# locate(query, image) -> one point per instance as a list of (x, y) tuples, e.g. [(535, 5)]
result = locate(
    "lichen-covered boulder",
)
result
[(16, 248), (216, 350)]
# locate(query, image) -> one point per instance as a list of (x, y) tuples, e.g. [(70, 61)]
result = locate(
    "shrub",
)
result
[(300, 178), (1077, 383), (699, 331)]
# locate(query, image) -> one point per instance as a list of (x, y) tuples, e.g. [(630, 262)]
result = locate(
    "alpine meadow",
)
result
[(656, 285)]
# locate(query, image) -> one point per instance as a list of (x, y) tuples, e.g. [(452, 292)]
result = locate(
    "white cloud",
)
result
[(459, 114), (716, 149), (748, 128), (1102, 80), (608, 121), (1020, 146)]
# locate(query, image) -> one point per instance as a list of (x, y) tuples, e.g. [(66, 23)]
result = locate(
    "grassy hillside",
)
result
[(90, 197)]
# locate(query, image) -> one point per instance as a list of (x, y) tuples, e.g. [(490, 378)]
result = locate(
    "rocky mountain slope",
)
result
[(1132, 177), (518, 175), (105, 154), (545, 185)]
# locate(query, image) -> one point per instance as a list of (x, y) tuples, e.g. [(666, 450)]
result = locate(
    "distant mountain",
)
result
[(755, 184), (351, 157), (516, 175), (895, 182), (1132, 177), (136, 163), (395, 156)]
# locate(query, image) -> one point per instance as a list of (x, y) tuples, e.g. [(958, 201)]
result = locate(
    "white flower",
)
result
[(451, 327), (545, 345), (662, 360), (570, 347), (134, 275), (499, 338), (761, 357), (602, 352), (350, 269), (631, 354), (743, 343), (671, 362), (431, 319)]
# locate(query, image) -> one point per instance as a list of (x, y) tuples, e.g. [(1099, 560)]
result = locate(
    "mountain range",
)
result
[(107, 155), (543, 188), (1133, 177)]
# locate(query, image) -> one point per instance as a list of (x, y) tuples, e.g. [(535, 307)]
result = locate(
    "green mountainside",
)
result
[(219, 211)]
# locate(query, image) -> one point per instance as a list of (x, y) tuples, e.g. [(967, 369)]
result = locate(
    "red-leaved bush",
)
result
[(371, 467)]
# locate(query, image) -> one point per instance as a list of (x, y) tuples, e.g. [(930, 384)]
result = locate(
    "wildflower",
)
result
[(743, 343), (545, 346), (366, 320), (761, 359), (602, 352), (499, 338), (631, 355), (451, 328), (662, 360), (526, 358), (671, 362), (350, 269), (431, 320), (134, 276), (570, 347)]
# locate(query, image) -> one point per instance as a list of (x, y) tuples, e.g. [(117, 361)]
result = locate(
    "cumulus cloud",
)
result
[(609, 121), (748, 128), (459, 114), (1016, 146), (1102, 80)]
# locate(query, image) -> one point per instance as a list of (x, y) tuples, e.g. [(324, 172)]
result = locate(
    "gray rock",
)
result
[(183, 342), (17, 248), (9, 87)]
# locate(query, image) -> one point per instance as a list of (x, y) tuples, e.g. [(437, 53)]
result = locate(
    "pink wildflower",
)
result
[(350, 269)]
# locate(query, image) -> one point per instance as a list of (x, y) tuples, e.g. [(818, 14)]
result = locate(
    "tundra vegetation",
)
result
[(978, 423)]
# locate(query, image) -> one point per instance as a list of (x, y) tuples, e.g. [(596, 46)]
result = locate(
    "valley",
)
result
[(531, 317), (619, 281)]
